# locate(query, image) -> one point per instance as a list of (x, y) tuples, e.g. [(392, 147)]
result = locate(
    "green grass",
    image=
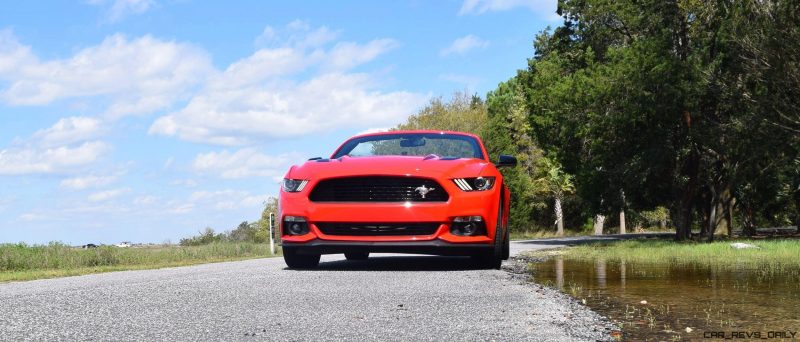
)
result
[(540, 234), (544, 234), (23, 262), (774, 255)]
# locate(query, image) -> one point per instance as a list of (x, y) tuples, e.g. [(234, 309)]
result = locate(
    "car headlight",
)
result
[(474, 184), (293, 185)]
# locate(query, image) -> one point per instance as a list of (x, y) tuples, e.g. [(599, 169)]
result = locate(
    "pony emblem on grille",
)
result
[(423, 190)]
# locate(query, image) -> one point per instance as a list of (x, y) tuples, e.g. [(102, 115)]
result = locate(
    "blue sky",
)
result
[(148, 120)]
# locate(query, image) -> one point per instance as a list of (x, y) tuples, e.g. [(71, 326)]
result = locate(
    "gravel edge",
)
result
[(584, 325)]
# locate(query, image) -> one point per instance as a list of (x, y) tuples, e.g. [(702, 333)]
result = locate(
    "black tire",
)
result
[(296, 260), (494, 258), (506, 246), (356, 255)]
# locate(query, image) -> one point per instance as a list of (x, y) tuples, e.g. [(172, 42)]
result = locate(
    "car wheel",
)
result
[(356, 255), (494, 258), (506, 246), (294, 259)]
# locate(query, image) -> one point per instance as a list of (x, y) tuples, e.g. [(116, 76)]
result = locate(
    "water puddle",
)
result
[(665, 302)]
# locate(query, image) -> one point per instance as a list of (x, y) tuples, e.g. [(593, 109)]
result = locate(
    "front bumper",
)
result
[(433, 247), (484, 204)]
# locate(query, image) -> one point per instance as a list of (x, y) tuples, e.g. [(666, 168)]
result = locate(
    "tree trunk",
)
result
[(712, 218), (683, 217), (622, 212), (685, 208), (599, 220), (706, 212), (729, 214), (797, 224), (797, 215), (559, 216), (723, 207), (749, 228)]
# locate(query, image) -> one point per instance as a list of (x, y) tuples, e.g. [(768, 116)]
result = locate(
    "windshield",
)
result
[(412, 144)]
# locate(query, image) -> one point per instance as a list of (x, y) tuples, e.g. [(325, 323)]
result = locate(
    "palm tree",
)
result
[(557, 183)]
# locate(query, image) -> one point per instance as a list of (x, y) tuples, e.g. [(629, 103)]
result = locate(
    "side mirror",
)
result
[(506, 160)]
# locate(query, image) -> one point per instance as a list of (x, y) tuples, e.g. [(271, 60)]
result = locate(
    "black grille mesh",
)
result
[(378, 189), (377, 229)]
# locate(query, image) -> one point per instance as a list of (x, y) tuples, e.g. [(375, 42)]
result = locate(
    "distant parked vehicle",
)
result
[(89, 245), (124, 244)]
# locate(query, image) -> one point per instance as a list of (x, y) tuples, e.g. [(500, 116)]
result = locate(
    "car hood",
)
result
[(431, 167)]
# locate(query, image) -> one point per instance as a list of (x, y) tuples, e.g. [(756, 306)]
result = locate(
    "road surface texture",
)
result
[(388, 297)]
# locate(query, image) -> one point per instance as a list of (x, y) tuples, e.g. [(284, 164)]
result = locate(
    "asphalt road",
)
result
[(388, 297)]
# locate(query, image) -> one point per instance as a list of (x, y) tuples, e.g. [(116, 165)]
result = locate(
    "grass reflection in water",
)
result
[(678, 301)]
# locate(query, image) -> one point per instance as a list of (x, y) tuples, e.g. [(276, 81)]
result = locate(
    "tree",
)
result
[(671, 103), (245, 232), (462, 113), (204, 237), (557, 184), (509, 131), (270, 207)]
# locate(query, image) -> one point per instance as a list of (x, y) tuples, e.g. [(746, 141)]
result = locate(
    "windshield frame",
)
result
[(351, 143)]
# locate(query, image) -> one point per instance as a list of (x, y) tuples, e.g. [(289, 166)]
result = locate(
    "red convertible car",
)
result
[(423, 192)]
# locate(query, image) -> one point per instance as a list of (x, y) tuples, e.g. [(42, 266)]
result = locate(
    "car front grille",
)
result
[(378, 229), (378, 189)]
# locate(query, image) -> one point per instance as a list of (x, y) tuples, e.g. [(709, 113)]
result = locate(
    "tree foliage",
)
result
[(257, 232), (462, 113), (691, 105)]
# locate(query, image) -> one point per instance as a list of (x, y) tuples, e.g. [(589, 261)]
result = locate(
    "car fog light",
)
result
[(469, 229), (468, 226), (295, 225), (296, 228)]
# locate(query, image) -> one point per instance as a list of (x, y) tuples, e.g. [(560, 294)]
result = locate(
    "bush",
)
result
[(205, 237)]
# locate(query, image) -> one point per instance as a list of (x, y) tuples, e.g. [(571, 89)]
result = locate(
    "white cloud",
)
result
[(180, 208), (122, 8), (244, 163), (145, 200), (373, 130), (463, 45), (59, 148), (13, 55), (287, 110), (189, 183), (168, 163), (138, 75), (546, 8), (260, 66), (468, 82), (86, 182), (5, 202), (107, 195), (297, 34), (69, 130), (347, 55), (31, 160), (32, 217), (226, 199), (251, 201), (268, 94)]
